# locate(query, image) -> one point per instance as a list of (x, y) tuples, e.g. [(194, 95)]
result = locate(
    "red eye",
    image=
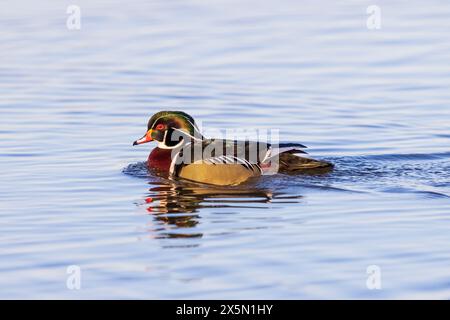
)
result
[(160, 126)]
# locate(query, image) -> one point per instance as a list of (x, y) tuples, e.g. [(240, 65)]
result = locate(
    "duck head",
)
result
[(170, 129)]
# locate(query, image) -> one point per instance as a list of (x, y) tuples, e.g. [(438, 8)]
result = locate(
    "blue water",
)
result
[(374, 102)]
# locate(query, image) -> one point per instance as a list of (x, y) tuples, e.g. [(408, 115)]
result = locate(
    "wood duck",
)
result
[(183, 152)]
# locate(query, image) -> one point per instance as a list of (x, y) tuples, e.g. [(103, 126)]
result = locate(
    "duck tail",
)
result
[(291, 163)]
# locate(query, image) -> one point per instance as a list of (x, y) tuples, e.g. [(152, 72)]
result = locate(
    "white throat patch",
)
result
[(162, 145)]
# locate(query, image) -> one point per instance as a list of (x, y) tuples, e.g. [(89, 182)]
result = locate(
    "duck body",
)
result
[(182, 152), (211, 169)]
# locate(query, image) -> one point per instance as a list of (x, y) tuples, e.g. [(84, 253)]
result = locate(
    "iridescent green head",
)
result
[(169, 128)]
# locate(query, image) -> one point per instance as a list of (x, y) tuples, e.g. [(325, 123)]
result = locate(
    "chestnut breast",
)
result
[(160, 159)]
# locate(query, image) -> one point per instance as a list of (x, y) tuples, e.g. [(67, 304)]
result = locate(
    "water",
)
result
[(74, 192)]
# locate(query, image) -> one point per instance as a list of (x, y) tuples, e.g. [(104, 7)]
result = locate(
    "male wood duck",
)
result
[(184, 152)]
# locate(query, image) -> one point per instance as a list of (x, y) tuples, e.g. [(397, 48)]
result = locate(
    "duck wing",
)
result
[(219, 161)]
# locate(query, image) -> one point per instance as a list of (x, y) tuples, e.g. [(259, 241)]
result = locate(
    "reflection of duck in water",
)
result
[(183, 152), (174, 206), (188, 198)]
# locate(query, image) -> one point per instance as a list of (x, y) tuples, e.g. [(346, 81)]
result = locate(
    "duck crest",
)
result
[(176, 119)]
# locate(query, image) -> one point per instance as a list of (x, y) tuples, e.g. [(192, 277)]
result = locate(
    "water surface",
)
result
[(374, 102)]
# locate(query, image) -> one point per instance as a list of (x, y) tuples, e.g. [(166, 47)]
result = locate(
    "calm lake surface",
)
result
[(74, 191)]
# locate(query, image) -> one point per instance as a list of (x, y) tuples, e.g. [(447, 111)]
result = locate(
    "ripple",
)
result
[(389, 173), (411, 156)]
